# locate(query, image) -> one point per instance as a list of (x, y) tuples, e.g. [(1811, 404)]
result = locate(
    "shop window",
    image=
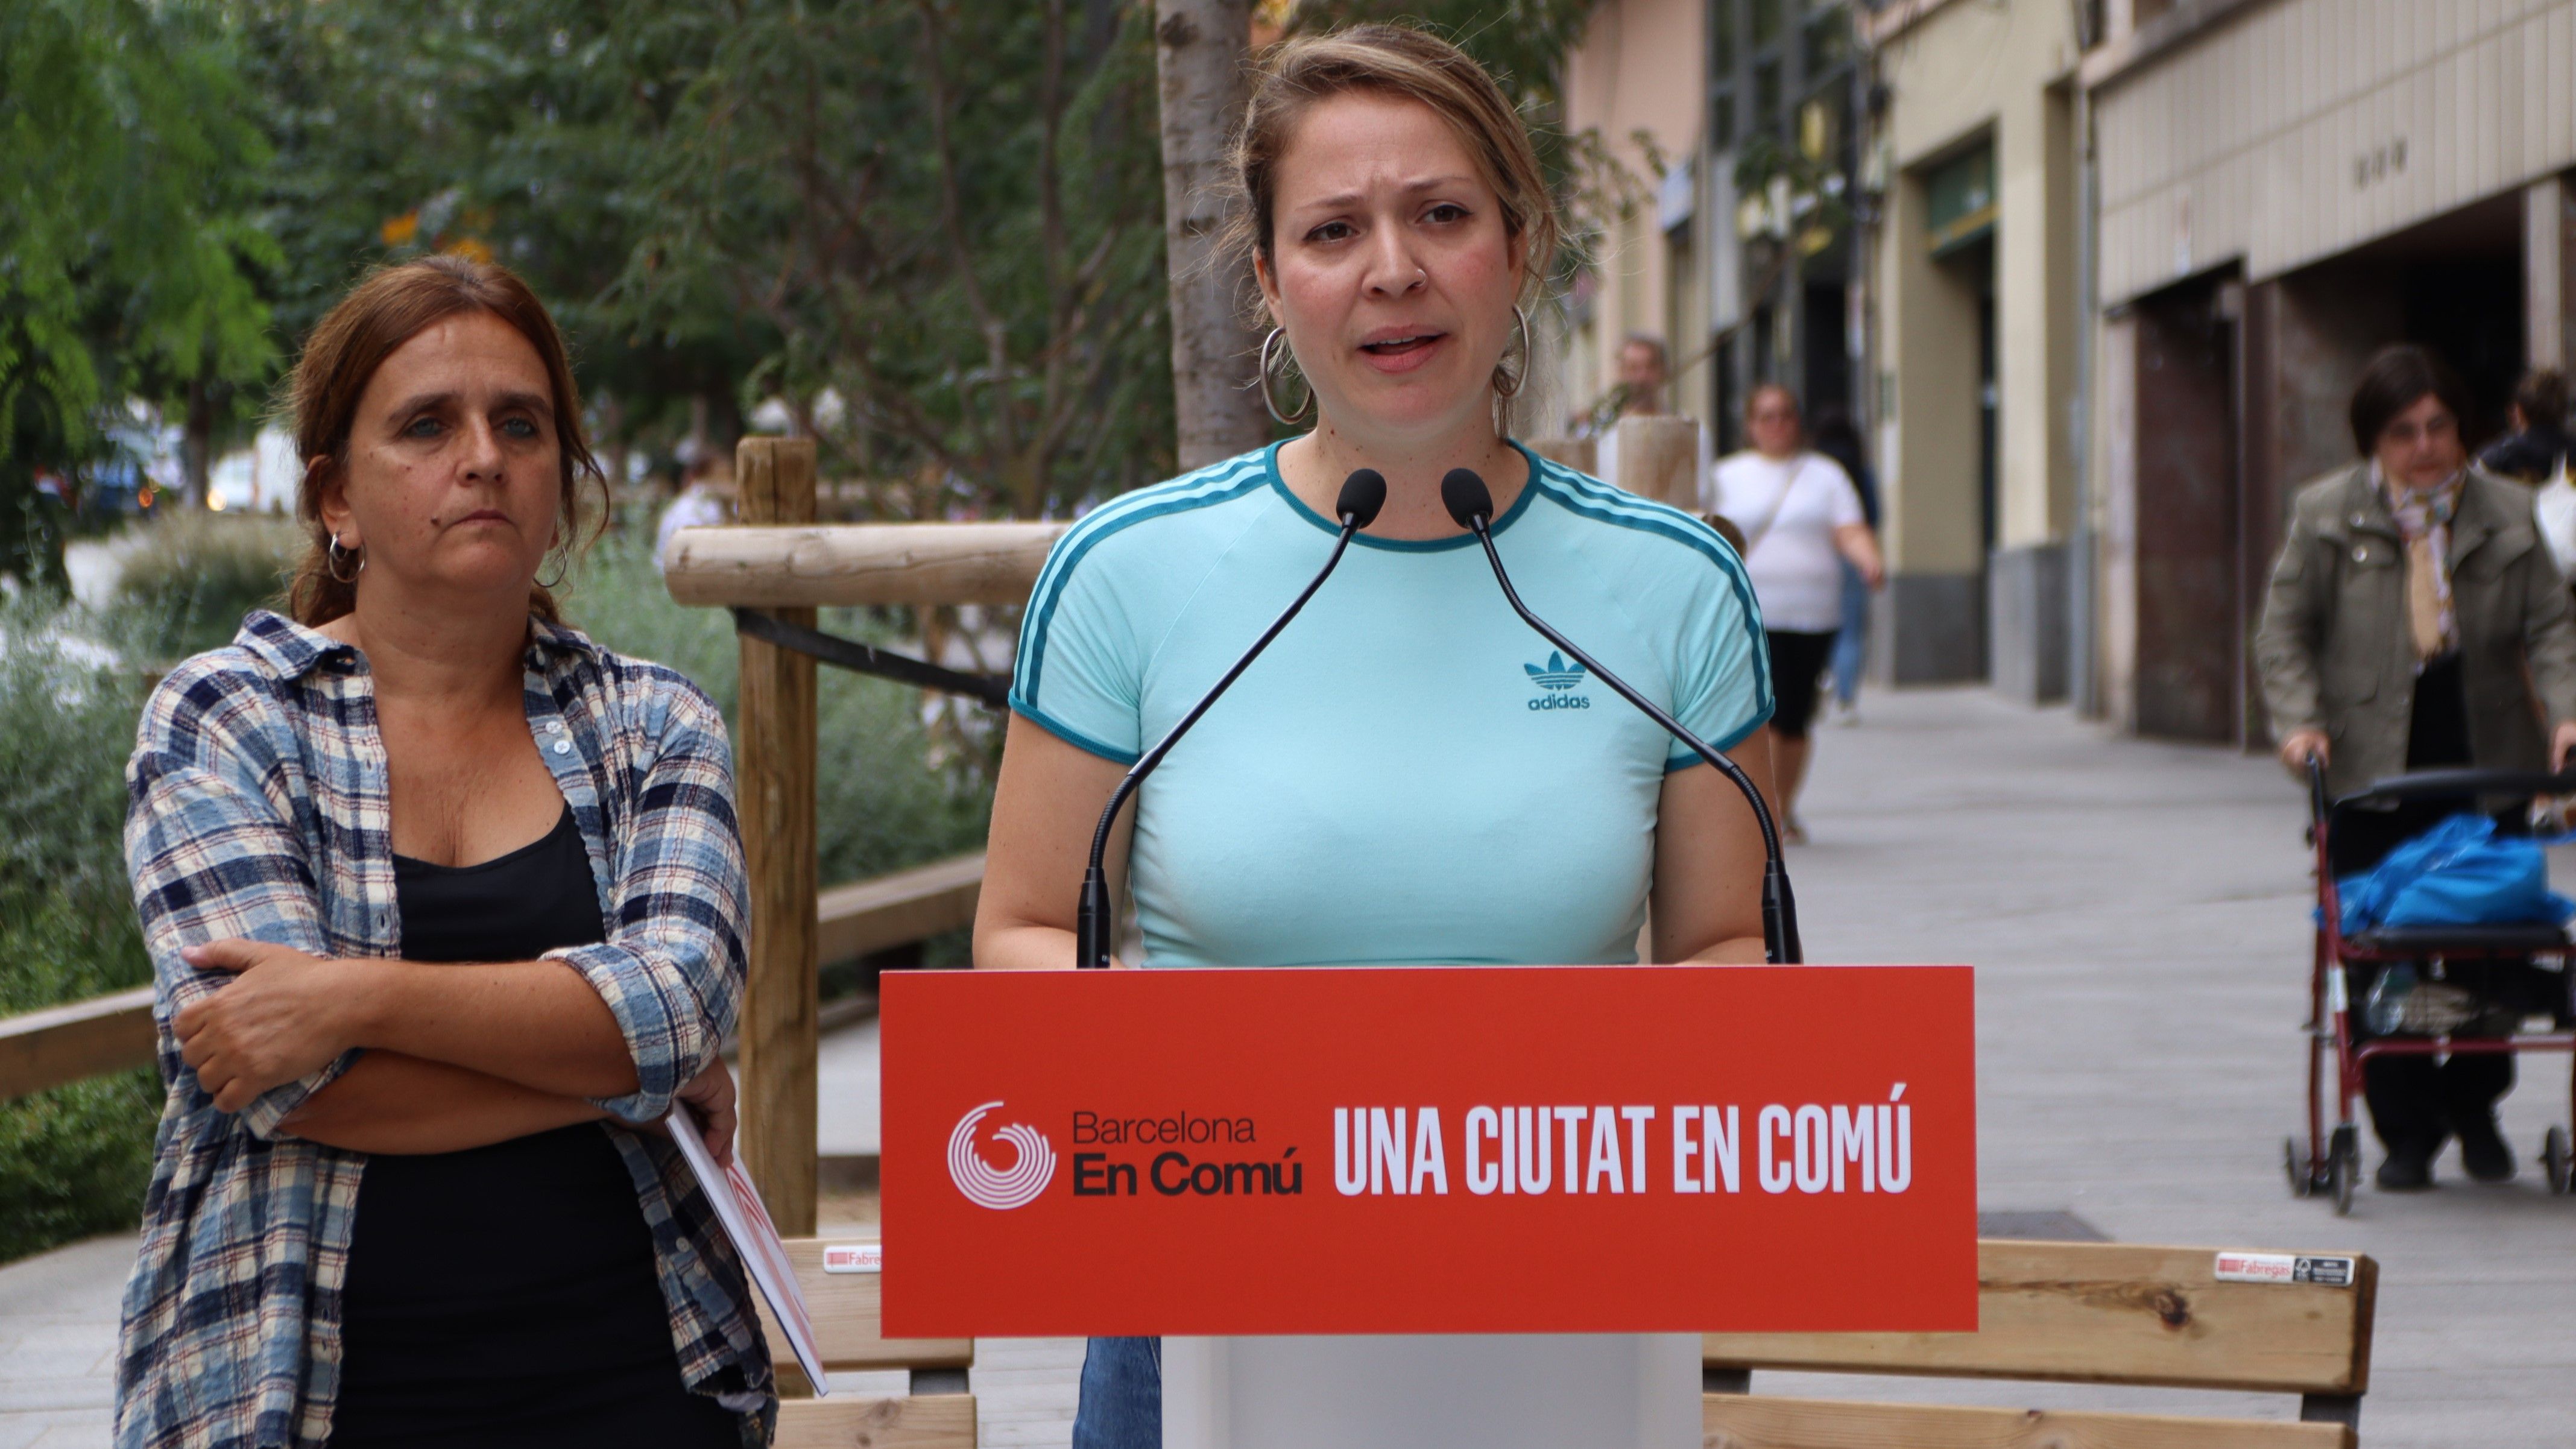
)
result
[(1828, 40), (1959, 197), (1766, 22)]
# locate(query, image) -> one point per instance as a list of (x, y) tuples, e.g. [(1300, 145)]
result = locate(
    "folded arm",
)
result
[(265, 1021), (537, 1024), (388, 1102)]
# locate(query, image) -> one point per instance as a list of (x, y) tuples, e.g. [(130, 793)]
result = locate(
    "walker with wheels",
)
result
[(2329, 1164)]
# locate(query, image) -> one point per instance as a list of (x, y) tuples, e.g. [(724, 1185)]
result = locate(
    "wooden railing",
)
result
[(69, 1043), (64, 1044)]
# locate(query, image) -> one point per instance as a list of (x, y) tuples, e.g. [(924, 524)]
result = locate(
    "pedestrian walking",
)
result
[(2536, 452), (705, 500), (2415, 621), (2537, 448), (1802, 520), (1838, 438)]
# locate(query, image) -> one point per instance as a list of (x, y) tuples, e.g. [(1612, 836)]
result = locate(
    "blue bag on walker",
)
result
[(2459, 873)]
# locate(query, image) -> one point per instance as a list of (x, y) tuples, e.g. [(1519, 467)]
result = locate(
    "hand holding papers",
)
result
[(755, 1238)]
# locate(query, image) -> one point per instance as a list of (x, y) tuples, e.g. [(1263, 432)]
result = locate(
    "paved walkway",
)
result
[(2138, 915)]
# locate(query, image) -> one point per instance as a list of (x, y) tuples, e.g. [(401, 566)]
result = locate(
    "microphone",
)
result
[(1363, 494), (1469, 502)]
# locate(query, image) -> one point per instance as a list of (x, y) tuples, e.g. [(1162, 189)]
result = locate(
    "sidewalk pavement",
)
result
[(2138, 916), (58, 1344)]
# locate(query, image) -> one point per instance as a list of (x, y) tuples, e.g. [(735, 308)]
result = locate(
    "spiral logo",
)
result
[(1032, 1167)]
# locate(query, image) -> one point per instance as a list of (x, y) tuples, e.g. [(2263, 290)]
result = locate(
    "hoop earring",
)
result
[(563, 570), (333, 554), (1269, 349), (1502, 376)]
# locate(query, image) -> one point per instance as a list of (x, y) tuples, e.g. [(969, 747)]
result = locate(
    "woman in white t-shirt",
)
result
[(1801, 517)]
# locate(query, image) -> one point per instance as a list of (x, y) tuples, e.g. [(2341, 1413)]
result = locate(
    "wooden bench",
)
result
[(939, 1413), (2095, 1313)]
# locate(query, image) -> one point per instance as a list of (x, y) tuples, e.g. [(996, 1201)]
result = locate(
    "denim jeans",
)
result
[(1122, 1395), (1853, 641)]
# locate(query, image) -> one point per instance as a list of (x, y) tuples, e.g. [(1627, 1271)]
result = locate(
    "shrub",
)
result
[(884, 799), (185, 588), (74, 1160)]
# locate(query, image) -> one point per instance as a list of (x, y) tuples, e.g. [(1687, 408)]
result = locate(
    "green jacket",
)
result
[(2335, 654)]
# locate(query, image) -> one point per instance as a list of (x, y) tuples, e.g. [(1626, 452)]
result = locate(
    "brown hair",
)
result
[(1754, 398), (1406, 64), (2395, 379), (390, 307), (2542, 397)]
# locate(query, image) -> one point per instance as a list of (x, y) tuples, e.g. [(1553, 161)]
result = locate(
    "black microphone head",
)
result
[(1466, 497), (1363, 494)]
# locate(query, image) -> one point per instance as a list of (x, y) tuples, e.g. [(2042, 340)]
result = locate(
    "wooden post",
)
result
[(774, 479), (1659, 459)]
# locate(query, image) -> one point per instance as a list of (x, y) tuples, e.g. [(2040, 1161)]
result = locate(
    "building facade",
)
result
[(1741, 292), (1972, 337), (2285, 187), (2099, 279)]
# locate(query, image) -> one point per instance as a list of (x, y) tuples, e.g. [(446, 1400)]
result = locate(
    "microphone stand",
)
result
[(1363, 494), (1780, 944)]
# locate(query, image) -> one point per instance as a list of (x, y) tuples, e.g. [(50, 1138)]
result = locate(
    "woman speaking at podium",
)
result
[(1409, 774)]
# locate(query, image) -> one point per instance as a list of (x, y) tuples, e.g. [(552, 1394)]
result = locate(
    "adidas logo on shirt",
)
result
[(1554, 680)]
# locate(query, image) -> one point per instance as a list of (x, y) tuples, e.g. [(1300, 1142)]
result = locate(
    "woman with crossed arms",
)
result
[(398, 1198), (1380, 787)]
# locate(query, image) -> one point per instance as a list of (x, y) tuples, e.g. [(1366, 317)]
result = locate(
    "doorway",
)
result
[(2191, 619)]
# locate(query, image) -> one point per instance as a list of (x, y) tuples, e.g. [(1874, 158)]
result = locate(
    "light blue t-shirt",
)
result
[(1409, 774)]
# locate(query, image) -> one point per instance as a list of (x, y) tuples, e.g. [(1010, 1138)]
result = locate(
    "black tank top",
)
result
[(507, 1294)]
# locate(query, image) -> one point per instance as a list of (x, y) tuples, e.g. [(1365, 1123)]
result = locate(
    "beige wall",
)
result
[(2115, 467), (1640, 67), (2303, 128), (1927, 317), (1963, 75)]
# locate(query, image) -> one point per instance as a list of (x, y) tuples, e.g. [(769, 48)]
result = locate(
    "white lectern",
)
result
[(1462, 1391)]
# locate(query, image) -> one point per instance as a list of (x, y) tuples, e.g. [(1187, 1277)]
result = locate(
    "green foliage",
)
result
[(890, 793), (522, 130), (66, 726), (186, 589), (1521, 43), (127, 157), (950, 215), (74, 1160)]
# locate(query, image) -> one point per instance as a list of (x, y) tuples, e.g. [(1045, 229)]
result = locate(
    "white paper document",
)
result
[(755, 1239)]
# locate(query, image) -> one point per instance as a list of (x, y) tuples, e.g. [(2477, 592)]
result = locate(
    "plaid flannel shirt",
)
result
[(258, 807)]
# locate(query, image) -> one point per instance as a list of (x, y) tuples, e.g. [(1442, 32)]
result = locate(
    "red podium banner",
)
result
[(1513, 1149)]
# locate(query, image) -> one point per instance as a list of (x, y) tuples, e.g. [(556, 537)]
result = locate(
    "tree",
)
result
[(942, 210), (522, 130), (127, 156), (1199, 59)]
